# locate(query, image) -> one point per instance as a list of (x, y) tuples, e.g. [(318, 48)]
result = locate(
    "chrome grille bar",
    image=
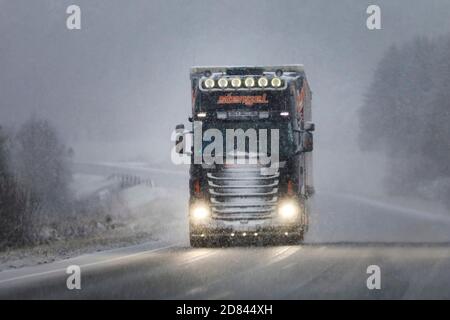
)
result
[(243, 192)]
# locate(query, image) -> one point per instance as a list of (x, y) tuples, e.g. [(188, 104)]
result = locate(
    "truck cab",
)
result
[(251, 154)]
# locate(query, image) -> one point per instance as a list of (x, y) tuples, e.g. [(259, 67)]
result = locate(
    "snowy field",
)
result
[(142, 213)]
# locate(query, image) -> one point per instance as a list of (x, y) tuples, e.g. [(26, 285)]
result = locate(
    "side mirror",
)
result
[(307, 145), (179, 142), (300, 146), (309, 126)]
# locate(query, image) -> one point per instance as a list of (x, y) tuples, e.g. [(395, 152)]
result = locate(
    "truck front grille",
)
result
[(243, 192)]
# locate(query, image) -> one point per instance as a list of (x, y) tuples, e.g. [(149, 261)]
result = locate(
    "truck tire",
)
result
[(196, 242), (297, 239)]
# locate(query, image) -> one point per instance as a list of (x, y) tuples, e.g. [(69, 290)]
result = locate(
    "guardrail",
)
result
[(127, 180)]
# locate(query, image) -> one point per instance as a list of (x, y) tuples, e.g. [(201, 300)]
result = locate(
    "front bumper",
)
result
[(251, 228)]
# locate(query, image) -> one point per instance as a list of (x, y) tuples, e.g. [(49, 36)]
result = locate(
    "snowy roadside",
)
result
[(407, 206), (146, 214)]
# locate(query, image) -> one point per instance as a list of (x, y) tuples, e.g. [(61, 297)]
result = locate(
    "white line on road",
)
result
[(38, 274), (391, 208)]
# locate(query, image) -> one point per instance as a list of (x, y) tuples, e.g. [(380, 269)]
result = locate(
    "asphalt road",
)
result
[(348, 234), (286, 272)]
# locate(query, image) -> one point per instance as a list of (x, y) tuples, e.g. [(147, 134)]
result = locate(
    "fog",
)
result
[(116, 88)]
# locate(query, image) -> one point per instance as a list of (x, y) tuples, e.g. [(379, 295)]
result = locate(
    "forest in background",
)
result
[(37, 205), (406, 115)]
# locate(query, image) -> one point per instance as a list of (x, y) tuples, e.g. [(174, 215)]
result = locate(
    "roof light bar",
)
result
[(276, 82), (236, 82), (209, 83), (249, 82), (223, 82), (263, 82)]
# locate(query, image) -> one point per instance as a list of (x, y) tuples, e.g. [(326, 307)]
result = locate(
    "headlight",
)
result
[(249, 82), (200, 212), (236, 82), (263, 82), (209, 83), (276, 82), (223, 82), (288, 210)]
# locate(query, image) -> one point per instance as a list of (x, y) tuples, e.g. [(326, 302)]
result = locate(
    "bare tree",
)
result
[(42, 166), (16, 205)]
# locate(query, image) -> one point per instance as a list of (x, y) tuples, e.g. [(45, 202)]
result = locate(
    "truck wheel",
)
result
[(197, 242), (297, 239)]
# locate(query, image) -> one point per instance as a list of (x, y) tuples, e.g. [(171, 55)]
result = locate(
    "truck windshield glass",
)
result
[(286, 135)]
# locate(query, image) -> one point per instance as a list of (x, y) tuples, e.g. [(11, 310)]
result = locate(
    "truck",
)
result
[(249, 147)]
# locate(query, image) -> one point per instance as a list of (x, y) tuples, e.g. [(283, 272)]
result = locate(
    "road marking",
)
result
[(38, 274), (279, 255), (283, 254), (194, 257), (391, 208), (289, 265)]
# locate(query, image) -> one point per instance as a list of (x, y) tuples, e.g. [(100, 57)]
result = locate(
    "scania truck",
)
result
[(250, 153)]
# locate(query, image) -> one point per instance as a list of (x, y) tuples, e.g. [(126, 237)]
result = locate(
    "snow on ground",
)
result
[(140, 195), (150, 214), (84, 185)]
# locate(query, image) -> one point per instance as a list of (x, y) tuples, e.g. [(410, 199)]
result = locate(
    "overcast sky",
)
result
[(124, 77)]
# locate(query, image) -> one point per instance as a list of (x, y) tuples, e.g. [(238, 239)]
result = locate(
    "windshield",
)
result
[(262, 131)]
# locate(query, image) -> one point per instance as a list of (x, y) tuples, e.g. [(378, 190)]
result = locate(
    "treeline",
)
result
[(406, 115), (34, 182)]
